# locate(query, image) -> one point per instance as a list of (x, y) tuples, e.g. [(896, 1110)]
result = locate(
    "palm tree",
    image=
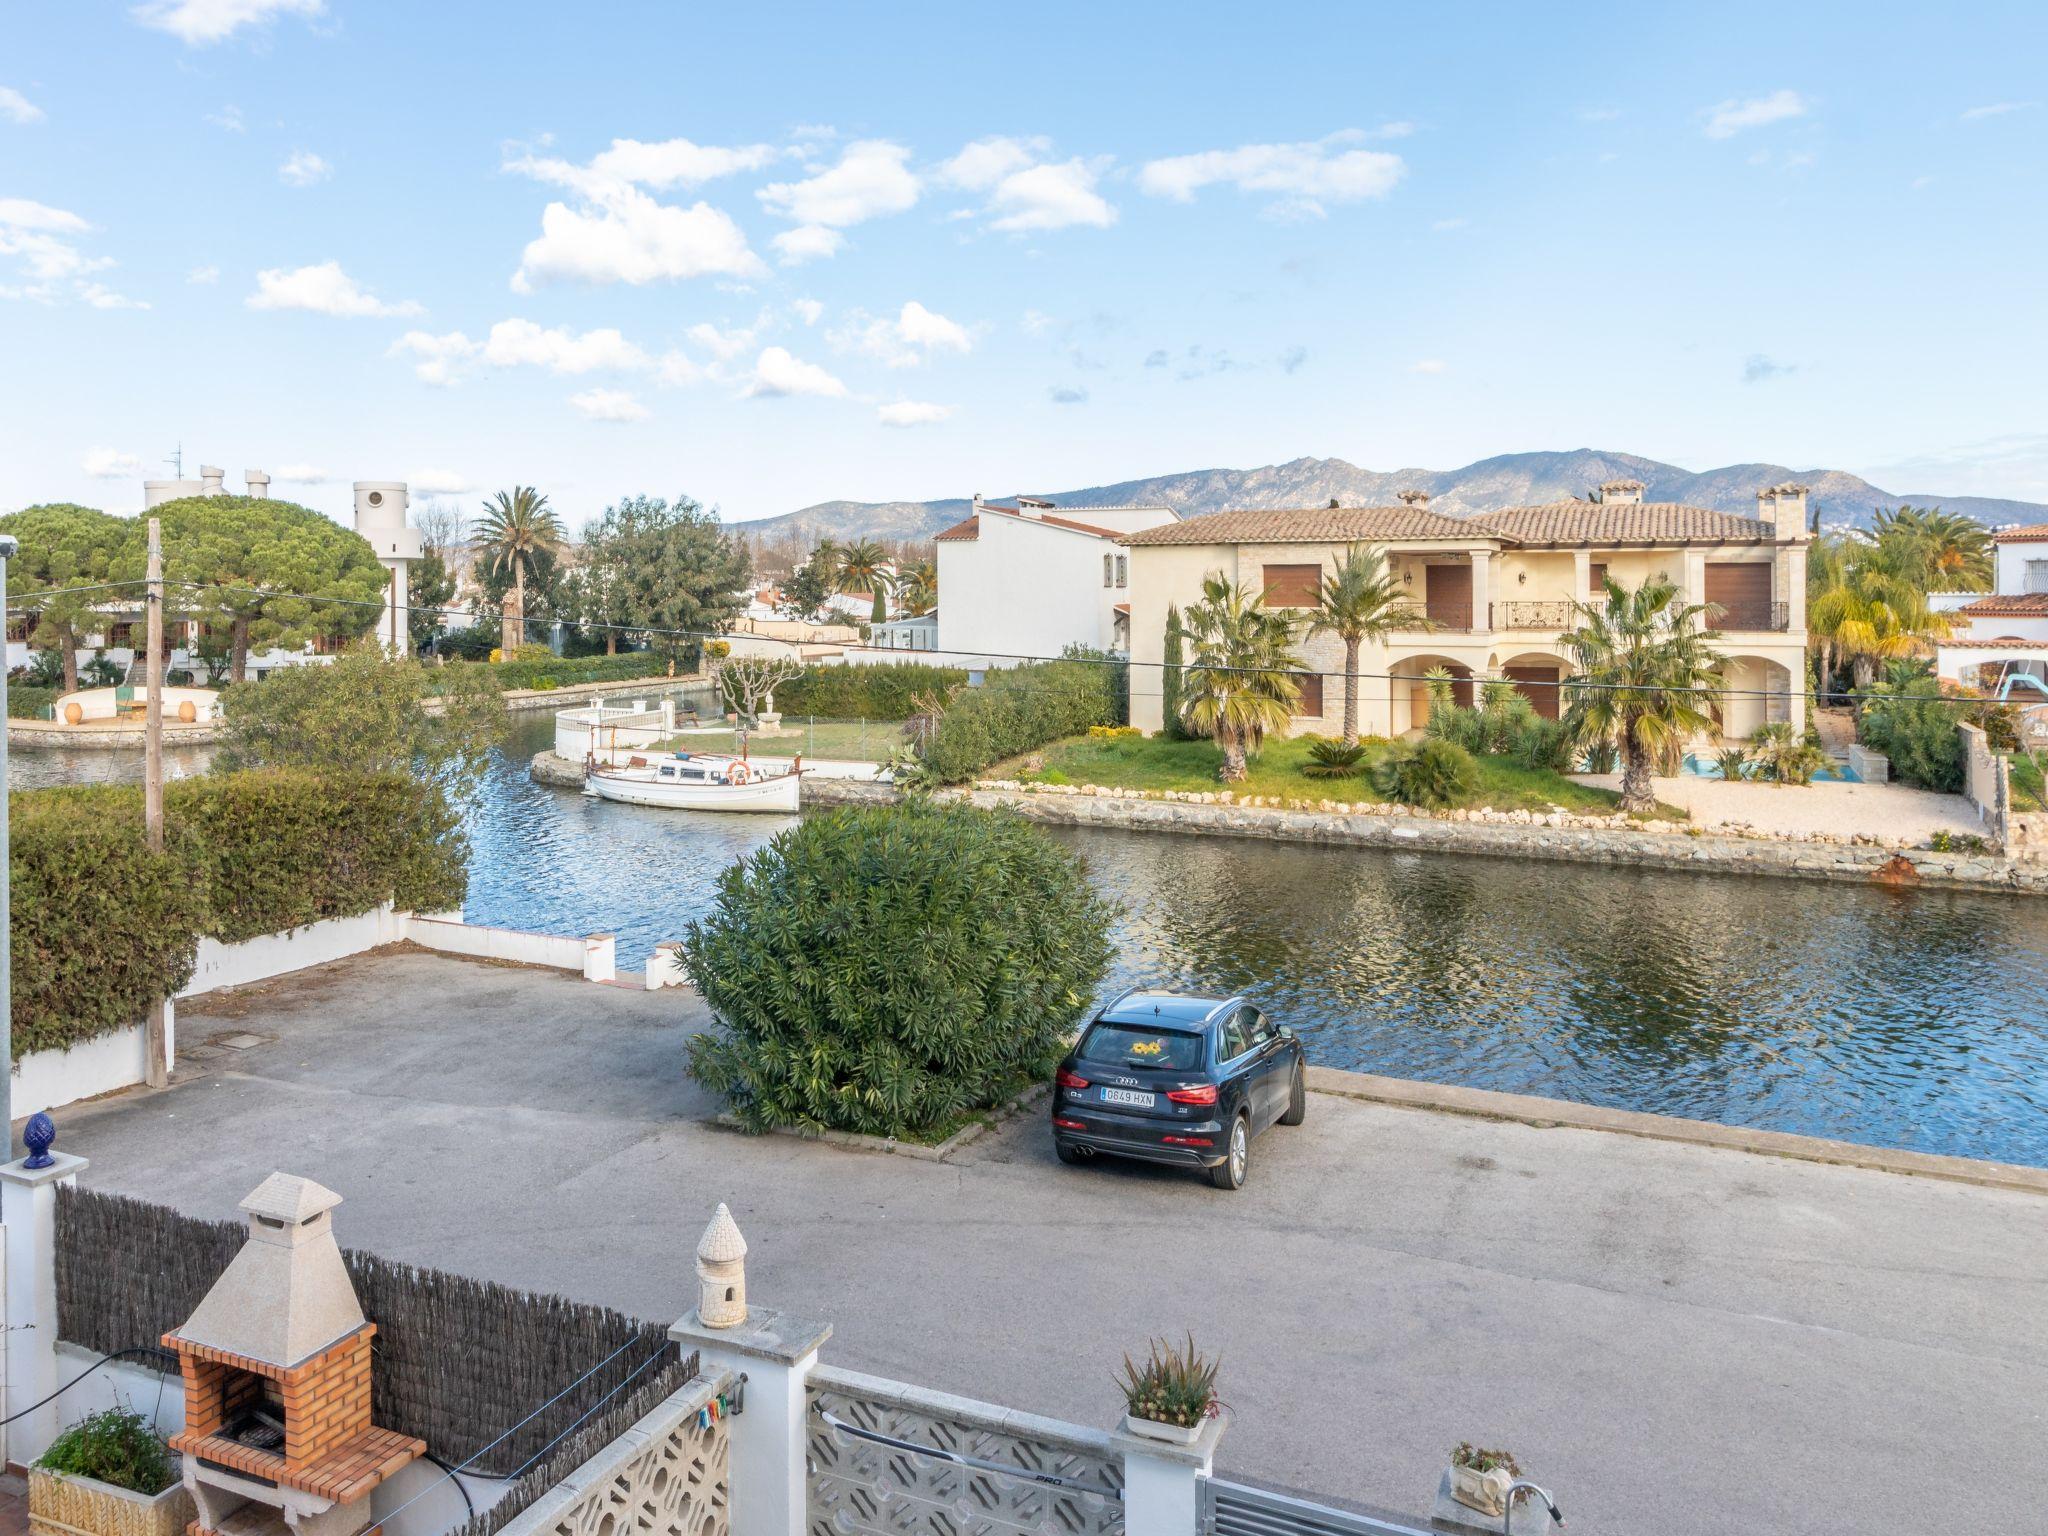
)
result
[(864, 567), (1239, 683), (516, 528), (1358, 602), (917, 584), (1640, 662), (1953, 552), (1867, 602)]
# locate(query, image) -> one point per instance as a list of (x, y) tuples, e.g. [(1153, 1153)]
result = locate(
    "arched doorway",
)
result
[(1759, 692), (1536, 676), (1409, 689)]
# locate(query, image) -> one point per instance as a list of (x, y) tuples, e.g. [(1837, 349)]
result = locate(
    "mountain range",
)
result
[(1511, 479)]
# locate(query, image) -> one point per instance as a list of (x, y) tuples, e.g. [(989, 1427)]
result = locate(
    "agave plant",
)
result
[(1173, 1386)]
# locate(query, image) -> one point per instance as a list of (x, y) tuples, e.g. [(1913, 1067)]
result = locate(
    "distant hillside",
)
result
[(1509, 480)]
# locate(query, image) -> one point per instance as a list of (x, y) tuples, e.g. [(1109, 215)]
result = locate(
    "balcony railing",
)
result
[(1448, 615), (1752, 616), (1521, 615)]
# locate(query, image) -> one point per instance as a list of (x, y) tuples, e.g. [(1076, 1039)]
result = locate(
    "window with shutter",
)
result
[(1292, 586), (2037, 575), (1311, 685)]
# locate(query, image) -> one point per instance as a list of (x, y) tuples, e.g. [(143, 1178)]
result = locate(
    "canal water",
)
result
[(1906, 1019)]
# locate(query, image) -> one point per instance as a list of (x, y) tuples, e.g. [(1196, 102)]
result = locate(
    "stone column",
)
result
[(1692, 576), (769, 1459), (1582, 575), (1163, 1483), (1482, 590), (28, 1207)]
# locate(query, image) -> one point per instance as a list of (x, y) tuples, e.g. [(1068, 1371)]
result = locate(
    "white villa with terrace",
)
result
[(1494, 594), (1029, 580), (2004, 630)]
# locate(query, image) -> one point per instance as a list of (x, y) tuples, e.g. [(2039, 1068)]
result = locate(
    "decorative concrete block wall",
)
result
[(666, 1476), (859, 1488)]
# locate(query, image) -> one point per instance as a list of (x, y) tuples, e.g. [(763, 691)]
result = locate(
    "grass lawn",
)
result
[(854, 741), (2028, 791), (1136, 762)]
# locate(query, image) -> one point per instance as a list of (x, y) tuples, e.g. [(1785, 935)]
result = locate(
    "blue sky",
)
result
[(772, 254)]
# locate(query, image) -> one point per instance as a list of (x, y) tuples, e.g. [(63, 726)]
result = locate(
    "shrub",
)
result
[(27, 702), (102, 925), (1733, 763), (879, 692), (1114, 733), (1018, 710), (1916, 729), (1459, 726), (1173, 1386), (474, 642), (547, 670), (1429, 773), (1330, 758), (1782, 757), (887, 970), (114, 1446)]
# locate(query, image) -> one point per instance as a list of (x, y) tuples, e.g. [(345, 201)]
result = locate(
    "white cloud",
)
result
[(984, 163), (1307, 175), (1730, 117), (228, 117), (1431, 365), (1997, 109), (677, 370), (521, 344), (200, 276), (110, 464), (41, 243), (624, 236), (630, 162), (324, 289), (872, 178), (778, 373), (909, 339), (303, 168), (724, 345), (807, 310), (911, 413), (17, 108), (199, 22), (610, 405), (807, 242), (440, 357), (440, 482), (1052, 196), (302, 474)]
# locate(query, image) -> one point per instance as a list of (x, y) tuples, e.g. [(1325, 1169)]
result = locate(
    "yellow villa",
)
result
[(1497, 591)]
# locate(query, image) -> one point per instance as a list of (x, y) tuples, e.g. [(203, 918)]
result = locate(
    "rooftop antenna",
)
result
[(177, 462)]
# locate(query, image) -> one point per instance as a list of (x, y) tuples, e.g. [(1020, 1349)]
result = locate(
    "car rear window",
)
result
[(1128, 1045)]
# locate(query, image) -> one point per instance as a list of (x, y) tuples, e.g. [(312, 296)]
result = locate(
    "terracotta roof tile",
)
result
[(1310, 525), (2007, 643), (2011, 605), (966, 528), (2032, 533), (970, 528), (1633, 522)]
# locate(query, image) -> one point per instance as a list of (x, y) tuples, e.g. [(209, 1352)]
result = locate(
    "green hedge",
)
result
[(567, 672), (879, 692), (1023, 708), (102, 925), (25, 702)]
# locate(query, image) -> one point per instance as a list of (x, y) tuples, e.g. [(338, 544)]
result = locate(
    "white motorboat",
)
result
[(697, 781)]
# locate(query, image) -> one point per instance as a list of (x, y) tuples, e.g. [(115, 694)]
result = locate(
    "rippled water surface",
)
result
[(1911, 1019)]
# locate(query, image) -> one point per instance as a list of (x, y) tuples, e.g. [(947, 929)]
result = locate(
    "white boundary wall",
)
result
[(107, 1063)]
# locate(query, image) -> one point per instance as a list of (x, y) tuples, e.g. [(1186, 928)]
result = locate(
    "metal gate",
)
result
[(1239, 1509)]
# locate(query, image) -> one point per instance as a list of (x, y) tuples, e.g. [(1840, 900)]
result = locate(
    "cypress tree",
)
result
[(1169, 678)]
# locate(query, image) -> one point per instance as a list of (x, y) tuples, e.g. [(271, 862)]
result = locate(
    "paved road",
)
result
[(1678, 1340)]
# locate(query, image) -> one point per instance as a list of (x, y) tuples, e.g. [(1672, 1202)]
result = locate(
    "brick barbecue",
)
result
[(276, 1361)]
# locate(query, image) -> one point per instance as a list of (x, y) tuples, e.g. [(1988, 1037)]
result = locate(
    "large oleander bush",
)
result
[(102, 924), (892, 970), (878, 692), (1022, 709)]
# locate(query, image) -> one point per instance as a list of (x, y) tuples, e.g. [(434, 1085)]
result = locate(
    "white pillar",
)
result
[(768, 1456), (28, 1207), (1163, 1483), (1482, 590), (601, 957), (1582, 576)]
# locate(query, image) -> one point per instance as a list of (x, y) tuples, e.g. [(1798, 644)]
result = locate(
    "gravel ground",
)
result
[(1890, 811)]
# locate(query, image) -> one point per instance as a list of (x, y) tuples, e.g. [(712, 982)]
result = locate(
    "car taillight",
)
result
[(1188, 1141), (1206, 1094), (1069, 1125), (1068, 1079)]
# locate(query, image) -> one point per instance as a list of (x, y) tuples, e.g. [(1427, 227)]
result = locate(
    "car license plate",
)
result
[(1126, 1096)]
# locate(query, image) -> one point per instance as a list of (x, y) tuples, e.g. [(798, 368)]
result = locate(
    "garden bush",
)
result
[(880, 692), (1916, 729), (1431, 773), (548, 670), (114, 1446), (102, 925), (1020, 709), (890, 970), (25, 702)]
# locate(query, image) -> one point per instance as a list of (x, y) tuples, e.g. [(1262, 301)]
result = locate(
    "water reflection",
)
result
[(1901, 1019)]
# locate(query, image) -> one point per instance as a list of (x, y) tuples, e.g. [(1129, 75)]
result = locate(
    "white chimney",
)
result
[(210, 480), (1627, 492), (1416, 499), (259, 483)]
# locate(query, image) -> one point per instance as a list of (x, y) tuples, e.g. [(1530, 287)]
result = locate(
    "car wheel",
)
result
[(1297, 1101), (1068, 1155), (1237, 1162)]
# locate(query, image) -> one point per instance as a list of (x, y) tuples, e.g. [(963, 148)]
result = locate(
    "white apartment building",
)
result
[(1029, 580), (1991, 631)]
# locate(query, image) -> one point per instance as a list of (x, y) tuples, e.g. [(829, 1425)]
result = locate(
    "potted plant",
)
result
[(1171, 1395), (109, 1474), (1480, 1479)]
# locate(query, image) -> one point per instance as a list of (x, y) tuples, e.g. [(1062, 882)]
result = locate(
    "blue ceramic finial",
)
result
[(37, 1136)]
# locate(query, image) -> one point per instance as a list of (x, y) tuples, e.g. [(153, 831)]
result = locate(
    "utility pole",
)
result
[(156, 1033), (8, 545)]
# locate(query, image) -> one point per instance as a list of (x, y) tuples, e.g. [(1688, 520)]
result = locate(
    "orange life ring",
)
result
[(737, 774)]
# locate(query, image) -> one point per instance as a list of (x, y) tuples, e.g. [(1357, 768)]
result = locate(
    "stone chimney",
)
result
[(1417, 499), (259, 483), (722, 1273), (210, 480), (1627, 492), (1784, 508)]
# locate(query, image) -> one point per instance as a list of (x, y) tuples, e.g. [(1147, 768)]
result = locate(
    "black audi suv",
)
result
[(1170, 1078)]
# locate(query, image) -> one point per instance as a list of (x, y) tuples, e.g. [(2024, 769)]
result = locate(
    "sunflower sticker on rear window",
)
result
[(1148, 1048)]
